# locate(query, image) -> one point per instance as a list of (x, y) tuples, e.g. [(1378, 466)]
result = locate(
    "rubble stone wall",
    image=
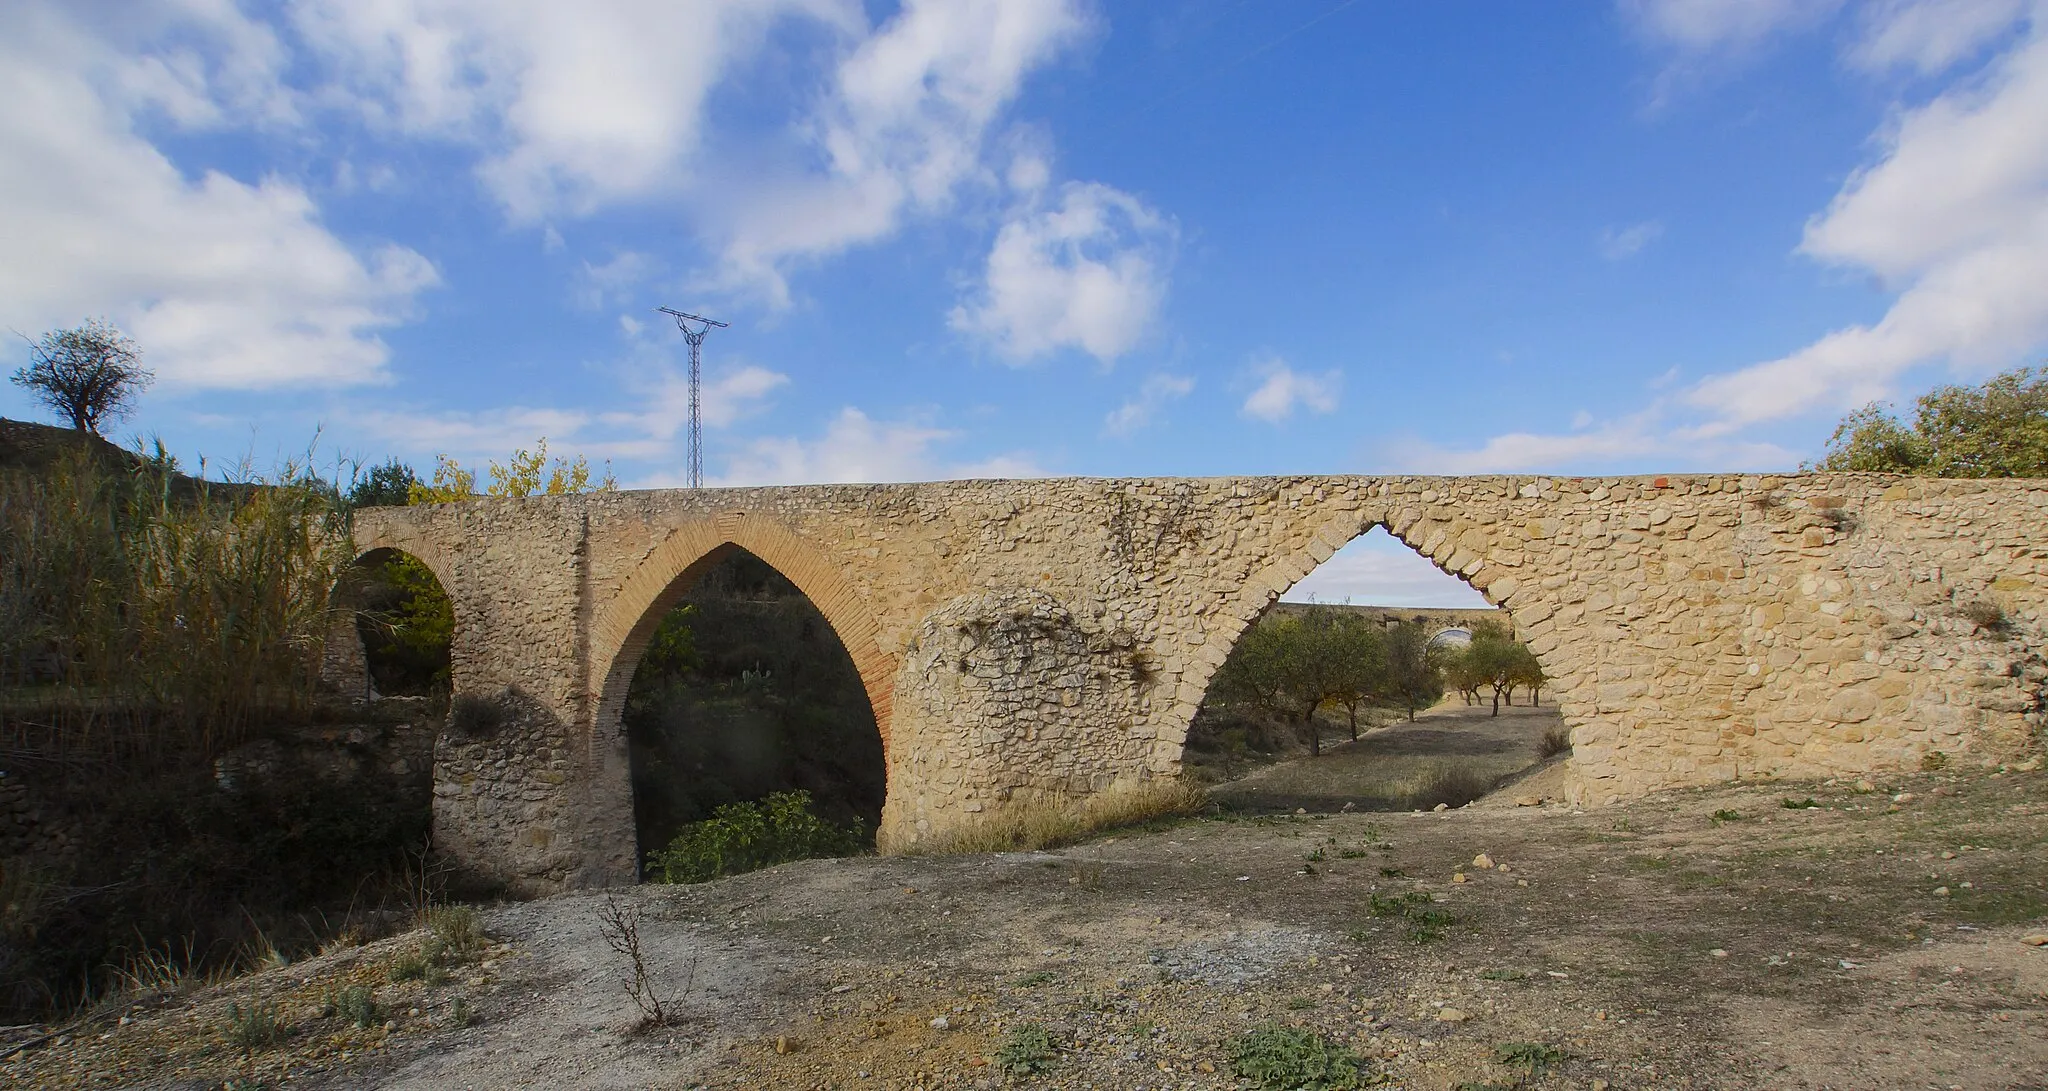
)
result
[(1025, 637)]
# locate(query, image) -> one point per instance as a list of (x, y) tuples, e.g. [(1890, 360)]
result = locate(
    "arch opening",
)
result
[(1377, 681), (744, 690), (402, 622)]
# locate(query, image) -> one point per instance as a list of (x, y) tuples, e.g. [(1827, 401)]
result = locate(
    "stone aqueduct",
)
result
[(1025, 638)]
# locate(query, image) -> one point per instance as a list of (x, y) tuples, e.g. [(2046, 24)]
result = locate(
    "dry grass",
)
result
[(1062, 820), (1454, 783)]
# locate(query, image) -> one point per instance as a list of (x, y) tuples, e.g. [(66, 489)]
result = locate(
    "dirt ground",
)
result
[(1869, 936), (1388, 762)]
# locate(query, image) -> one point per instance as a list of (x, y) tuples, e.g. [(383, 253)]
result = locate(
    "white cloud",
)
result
[(1157, 390), (1701, 25), (1617, 244), (902, 128), (1284, 389), (1376, 569), (474, 438), (225, 283), (1956, 211), (1930, 35), (573, 106), (1088, 274), (857, 448), (612, 283)]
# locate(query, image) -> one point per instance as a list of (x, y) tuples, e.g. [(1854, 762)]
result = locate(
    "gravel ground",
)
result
[(1704, 939)]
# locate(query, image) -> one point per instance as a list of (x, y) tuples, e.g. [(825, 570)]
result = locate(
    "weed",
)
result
[(422, 963), (1301, 1003), (1027, 1050), (1799, 804), (1426, 924), (619, 923), (1036, 978), (1557, 740), (458, 927), (1392, 873), (1533, 1058), (356, 1005), (748, 836), (1351, 854), (474, 715), (459, 1012), (1504, 975), (1313, 855), (1933, 761), (1088, 876), (1726, 815), (255, 1027), (1277, 1058), (1985, 615)]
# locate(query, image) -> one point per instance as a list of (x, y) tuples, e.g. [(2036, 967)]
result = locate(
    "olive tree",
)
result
[(90, 373)]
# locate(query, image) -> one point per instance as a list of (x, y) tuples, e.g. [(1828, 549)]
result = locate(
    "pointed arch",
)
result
[(621, 630)]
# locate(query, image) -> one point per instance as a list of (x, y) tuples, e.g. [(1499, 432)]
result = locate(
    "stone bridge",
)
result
[(1025, 639)]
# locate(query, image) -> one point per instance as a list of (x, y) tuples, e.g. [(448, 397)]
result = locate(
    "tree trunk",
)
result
[(1352, 710), (1496, 703)]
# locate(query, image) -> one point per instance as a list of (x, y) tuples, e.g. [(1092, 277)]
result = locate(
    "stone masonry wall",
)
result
[(1029, 637)]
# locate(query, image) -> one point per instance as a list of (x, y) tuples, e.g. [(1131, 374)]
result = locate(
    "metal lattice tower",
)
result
[(696, 339)]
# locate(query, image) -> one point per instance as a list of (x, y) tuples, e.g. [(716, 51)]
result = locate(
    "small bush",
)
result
[(1799, 804), (458, 928), (355, 1005), (1985, 615), (1026, 1051), (741, 837), (1448, 783), (470, 714), (255, 1027), (1933, 761), (1277, 1058), (1557, 740), (1533, 1058), (1417, 910), (1727, 816), (422, 963)]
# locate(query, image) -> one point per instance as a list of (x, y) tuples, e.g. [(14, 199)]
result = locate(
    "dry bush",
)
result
[(1049, 822), (1557, 740), (1451, 783)]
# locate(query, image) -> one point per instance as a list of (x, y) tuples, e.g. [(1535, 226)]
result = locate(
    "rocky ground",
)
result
[(1837, 935)]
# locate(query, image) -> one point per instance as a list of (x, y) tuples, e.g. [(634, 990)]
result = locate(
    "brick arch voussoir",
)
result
[(420, 547), (625, 625)]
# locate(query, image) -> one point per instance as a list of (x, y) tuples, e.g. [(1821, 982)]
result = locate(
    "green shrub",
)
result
[(1426, 923), (458, 927), (256, 1026), (1534, 1058), (1026, 1051), (356, 1005), (741, 837), (1277, 1058)]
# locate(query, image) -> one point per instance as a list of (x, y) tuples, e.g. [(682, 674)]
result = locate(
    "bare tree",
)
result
[(89, 373)]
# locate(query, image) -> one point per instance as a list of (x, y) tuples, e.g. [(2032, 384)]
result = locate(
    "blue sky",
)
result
[(1012, 237)]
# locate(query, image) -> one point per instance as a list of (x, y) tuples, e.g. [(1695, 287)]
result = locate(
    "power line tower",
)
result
[(696, 339)]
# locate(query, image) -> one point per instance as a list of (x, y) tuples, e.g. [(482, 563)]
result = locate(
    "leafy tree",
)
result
[(1529, 673), (408, 627), (388, 485), (526, 473), (451, 482), (1999, 429), (1358, 665), (1495, 661), (1412, 679), (90, 373)]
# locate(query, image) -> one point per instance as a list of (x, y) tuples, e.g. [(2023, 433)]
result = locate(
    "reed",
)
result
[(142, 610)]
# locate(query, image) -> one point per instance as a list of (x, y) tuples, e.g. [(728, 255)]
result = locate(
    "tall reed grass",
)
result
[(1053, 821), (141, 609)]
